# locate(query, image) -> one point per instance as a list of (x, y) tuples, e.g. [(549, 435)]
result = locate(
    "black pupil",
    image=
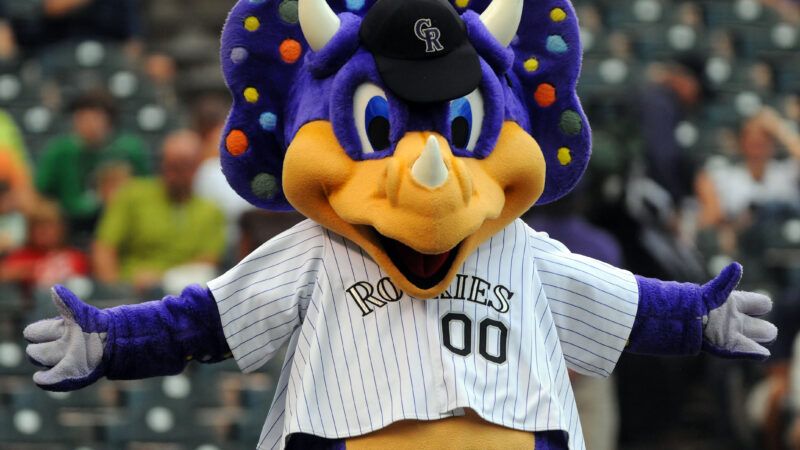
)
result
[(378, 133), (459, 130)]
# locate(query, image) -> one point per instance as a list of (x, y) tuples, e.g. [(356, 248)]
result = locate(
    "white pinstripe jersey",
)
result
[(361, 354)]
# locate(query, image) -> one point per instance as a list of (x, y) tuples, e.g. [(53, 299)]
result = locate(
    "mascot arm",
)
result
[(126, 342), (684, 318)]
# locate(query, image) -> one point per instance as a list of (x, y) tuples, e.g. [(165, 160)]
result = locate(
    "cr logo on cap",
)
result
[(424, 31)]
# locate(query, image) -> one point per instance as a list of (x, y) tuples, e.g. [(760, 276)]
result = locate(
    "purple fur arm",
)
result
[(670, 316), (669, 320), (161, 337), (84, 343)]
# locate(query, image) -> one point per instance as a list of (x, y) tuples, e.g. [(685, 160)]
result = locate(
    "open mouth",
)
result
[(425, 271)]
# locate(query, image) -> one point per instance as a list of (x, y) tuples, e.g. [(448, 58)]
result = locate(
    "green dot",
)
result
[(265, 186), (288, 11), (570, 123)]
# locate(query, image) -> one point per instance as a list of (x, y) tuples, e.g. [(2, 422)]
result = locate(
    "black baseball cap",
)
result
[(421, 49)]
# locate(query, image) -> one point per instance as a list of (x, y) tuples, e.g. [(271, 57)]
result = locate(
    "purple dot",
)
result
[(239, 54)]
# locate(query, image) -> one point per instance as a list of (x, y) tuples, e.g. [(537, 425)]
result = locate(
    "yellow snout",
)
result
[(422, 196)]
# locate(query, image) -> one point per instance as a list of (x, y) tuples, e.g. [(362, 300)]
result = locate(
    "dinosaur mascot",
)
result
[(417, 309)]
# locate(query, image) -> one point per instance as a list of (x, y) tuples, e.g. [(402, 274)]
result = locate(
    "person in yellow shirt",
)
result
[(12, 143), (15, 167), (153, 225)]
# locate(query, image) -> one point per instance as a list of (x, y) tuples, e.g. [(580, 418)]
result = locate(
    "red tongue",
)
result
[(421, 265)]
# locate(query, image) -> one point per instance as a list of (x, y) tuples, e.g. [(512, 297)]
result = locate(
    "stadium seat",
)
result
[(12, 358), (153, 417), (788, 73), (11, 300), (38, 119), (35, 416), (636, 12), (103, 295), (43, 307), (102, 394), (208, 385), (31, 437)]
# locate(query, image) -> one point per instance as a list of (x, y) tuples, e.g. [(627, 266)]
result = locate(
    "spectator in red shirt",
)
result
[(45, 259)]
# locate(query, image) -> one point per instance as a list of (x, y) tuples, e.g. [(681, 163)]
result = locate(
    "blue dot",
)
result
[(355, 5), (239, 55), (257, 2), (268, 121), (556, 44)]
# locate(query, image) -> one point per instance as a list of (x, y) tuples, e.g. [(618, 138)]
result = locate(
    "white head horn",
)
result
[(318, 22), (502, 18)]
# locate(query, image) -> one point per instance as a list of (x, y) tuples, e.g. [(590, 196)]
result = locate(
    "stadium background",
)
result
[(671, 89)]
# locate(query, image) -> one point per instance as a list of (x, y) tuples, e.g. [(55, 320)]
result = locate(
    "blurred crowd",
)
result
[(111, 113), (98, 203), (695, 110), (144, 206)]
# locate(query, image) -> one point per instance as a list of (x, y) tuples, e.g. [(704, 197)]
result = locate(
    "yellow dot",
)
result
[(462, 3), (252, 23), (564, 156), (557, 14), (531, 64), (251, 95)]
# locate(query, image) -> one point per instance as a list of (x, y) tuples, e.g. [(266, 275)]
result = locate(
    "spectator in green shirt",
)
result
[(71, 169), (154, 225)]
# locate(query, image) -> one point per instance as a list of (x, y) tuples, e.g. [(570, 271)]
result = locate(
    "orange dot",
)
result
[(236, 142), (545, 95), (290, 51)]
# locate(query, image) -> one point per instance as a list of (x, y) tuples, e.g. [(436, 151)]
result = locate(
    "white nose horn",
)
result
[(429, 169)]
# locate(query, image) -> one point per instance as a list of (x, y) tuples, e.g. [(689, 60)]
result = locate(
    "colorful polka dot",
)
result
[(545, 95), (251, 95), (290, 51), (264, 186), (268, 121), (354, 5), (462, 3), (556, 44), (239, 55), (288, 11), (252, 23), (236, 142), (531, 64), (570, 123), (557, 15), (564, 156)]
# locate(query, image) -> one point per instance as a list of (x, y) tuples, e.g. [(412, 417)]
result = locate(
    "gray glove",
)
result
[(733, 329), (68, 348)]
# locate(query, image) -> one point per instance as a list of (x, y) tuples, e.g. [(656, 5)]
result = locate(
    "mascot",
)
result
[(418, 310)]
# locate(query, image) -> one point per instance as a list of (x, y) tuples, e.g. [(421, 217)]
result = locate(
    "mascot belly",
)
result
[(417, 309)]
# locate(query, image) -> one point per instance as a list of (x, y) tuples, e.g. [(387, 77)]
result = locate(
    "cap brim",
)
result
[(432, 80)]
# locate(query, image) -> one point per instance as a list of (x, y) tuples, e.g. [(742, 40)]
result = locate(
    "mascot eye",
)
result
[(466, 118), (371, 111)]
